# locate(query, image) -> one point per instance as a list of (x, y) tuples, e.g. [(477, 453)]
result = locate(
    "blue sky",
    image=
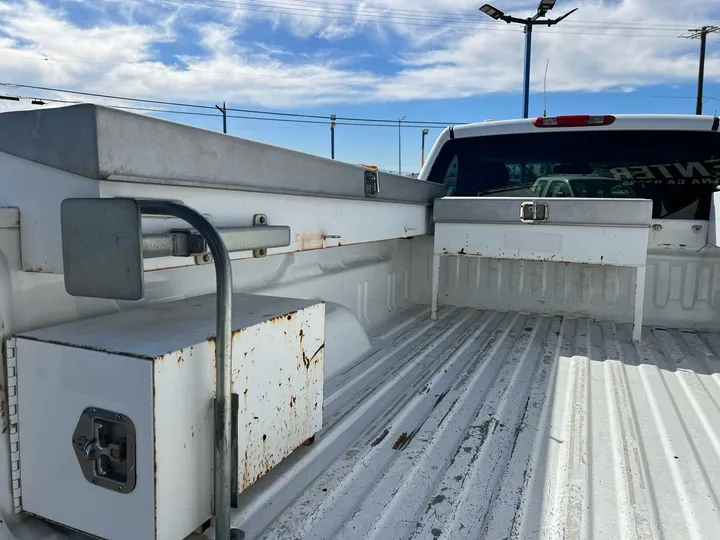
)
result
[(432, 60)]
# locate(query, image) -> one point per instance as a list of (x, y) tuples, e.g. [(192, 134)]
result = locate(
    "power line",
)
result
[(106, 96), (393, 122), (327, 122), (433, 15), (380, 15)]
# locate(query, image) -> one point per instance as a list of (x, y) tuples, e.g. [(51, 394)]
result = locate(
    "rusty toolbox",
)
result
[(115, 413)]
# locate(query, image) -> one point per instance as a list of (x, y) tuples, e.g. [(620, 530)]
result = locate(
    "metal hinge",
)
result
[(12, 421)]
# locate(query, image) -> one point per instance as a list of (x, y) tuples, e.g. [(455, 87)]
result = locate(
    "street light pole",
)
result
[(526, 78), (543, 7), (424, 133), (333, 118), (400, 144)]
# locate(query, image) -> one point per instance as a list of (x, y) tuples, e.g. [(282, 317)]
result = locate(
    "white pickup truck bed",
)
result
[(505, 425), (480, 424)]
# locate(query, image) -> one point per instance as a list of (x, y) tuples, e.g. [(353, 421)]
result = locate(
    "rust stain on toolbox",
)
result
[(281, 407)]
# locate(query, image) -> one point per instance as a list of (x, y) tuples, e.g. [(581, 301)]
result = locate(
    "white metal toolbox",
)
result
[(115, 413), (613, 232)]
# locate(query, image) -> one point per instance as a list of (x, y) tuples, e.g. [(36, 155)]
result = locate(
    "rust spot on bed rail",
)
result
[(403, 440)]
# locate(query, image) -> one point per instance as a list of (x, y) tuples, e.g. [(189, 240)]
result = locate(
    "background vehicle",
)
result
[(525, 410), (581, 186)]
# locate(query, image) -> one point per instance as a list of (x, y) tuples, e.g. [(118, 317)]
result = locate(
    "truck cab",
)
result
[(671, 160)]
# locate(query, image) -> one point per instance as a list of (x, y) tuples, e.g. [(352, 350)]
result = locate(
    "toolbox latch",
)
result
[(104, 444)]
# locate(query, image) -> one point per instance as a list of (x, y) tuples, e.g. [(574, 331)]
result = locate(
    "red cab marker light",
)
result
[(582, 120)]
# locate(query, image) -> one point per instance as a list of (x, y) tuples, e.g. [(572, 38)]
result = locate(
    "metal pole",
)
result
[(332, 135), (528, 23), (701, 77), (422, 160), (526, 82), (223, 110), (223, 354), (400, 144)]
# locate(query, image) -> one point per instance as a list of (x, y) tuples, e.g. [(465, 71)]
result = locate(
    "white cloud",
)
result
[(454, 58)]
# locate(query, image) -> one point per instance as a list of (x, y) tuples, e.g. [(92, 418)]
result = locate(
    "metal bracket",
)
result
[(104, 444), (534, 212), (11, 367), (257, 238), (234, 457), (259, 220), (121, 242)]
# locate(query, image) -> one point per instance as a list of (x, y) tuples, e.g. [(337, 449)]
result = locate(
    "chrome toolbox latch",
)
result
[(534, 212), (104, 444)]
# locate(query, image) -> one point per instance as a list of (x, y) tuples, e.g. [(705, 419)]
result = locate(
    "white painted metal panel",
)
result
[(9, 217), (105, 143), (618, 246), (714, 232), (280, 406), (37, 191), (681, 290), (278, 360), (504, 425), (680, 235), (315, 223), (597, 245), (55, 385)]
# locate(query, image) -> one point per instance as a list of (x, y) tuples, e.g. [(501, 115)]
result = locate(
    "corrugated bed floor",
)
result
[(505, 425)]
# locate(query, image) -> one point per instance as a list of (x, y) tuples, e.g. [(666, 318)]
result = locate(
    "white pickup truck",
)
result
[(404, 364)]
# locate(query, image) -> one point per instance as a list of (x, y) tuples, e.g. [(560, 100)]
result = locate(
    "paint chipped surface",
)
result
[(281, 405), (503, 425)]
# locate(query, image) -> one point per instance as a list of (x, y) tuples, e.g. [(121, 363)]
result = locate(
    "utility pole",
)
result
[(547, 65), (333, 118), (543, 7), (400, 143), (701, 33), (424, 133), (223, 110)]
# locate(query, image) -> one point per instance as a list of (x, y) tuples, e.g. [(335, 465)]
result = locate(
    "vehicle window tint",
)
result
[(677, 170), (559, 189), (450, 179), (540, 187)]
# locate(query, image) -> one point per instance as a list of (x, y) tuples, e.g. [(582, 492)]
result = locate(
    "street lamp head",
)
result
[(546, 5), (425, 131), (491, 11)]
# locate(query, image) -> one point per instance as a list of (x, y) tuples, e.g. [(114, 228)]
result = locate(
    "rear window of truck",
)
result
[(677, 170)]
